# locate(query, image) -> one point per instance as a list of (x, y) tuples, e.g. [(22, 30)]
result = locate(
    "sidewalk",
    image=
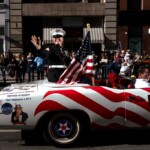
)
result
[(10, 80)]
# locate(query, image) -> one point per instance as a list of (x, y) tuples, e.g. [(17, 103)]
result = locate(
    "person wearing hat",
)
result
[(56, 56), (19, 116)]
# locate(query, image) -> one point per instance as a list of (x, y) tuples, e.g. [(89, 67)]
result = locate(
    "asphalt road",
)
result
[(104, 140)]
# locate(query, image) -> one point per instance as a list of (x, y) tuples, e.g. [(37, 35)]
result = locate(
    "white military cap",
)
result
[(58, 33)]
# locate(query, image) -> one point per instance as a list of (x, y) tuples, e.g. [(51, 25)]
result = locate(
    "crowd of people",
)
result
[(21, 68), (126, 65), (51, 60), (32, 67)]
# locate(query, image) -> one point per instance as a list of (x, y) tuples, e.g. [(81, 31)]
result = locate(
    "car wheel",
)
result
[(63, 129)]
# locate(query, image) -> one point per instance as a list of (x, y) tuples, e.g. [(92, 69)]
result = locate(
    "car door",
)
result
[(109, 109), (137, 107)]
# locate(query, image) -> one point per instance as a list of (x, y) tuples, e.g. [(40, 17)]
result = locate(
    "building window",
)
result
[(118, 5), (73, 38), (134, 4), (135, 31), (1, 30), (72, 1), (135, 39), (93, 1), (1, 45)]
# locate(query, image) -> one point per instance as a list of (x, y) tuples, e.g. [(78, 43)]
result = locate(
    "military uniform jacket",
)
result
[(56, 56)]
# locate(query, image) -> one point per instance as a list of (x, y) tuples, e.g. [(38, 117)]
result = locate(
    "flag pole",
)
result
[(88, 26), (92, 77)]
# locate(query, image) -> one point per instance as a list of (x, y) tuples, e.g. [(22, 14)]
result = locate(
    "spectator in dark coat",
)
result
[(8, 56), (3, 65), (115, 66), (12, 67), (30, 66)]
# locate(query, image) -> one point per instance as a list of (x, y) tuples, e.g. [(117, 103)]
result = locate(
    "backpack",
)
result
[(11, 72)]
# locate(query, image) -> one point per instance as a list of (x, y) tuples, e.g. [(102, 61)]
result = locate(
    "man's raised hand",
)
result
[(36, 41)]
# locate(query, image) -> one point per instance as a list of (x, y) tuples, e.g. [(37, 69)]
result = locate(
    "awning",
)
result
[(47, 37), (97, 34)]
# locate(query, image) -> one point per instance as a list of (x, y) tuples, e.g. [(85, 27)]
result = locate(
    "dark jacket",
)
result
[(55, 56)]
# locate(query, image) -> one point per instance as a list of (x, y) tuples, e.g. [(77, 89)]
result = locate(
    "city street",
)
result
[(104, 140)]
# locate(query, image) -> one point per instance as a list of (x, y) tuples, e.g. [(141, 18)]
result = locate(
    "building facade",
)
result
[(4, 25), (134, 25), (39, 17)]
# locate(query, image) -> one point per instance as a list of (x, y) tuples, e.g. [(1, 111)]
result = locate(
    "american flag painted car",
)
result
[(62, 114)]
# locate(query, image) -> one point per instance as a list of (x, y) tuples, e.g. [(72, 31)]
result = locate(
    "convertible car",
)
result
[(64, 114)]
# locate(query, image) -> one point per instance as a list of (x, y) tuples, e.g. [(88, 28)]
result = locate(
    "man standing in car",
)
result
[(57, 58)]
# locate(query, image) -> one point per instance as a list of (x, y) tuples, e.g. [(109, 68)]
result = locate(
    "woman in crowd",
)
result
[(3, 65)]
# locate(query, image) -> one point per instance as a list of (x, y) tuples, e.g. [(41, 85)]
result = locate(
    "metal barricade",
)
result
[(102, 72)]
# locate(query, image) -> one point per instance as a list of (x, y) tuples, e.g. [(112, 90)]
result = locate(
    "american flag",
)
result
[(81, 65), (107, 108)]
